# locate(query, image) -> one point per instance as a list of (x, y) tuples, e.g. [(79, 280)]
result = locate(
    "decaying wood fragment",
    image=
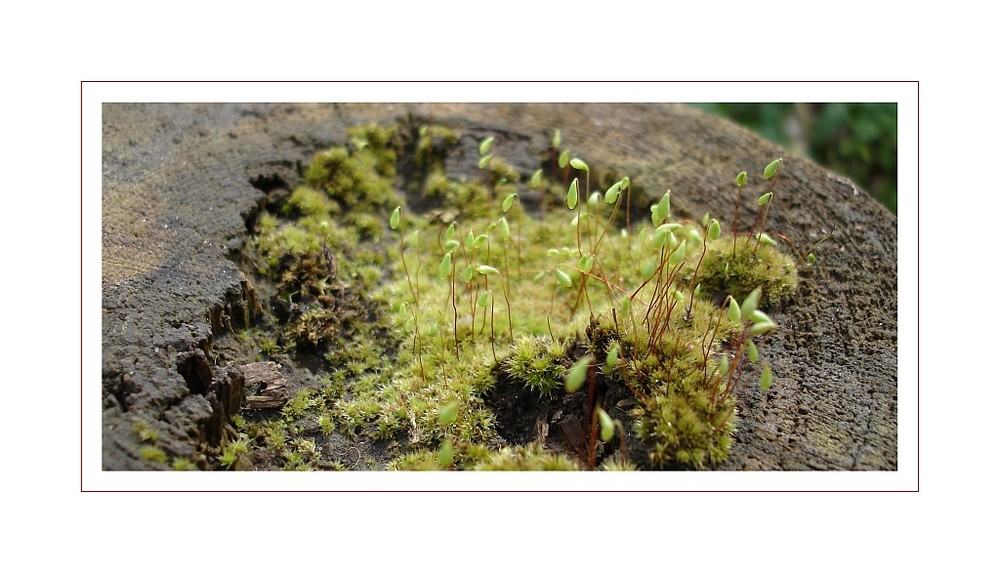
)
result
[(265, 385)]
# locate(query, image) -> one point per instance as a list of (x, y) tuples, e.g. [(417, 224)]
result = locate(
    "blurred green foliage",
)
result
[(855, 139)]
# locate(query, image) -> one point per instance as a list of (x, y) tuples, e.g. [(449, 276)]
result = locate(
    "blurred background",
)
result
[(854, 139)]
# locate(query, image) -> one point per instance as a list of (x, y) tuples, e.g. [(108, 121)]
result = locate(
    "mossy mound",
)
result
[(358, 177), (752, 265), (474, 303)]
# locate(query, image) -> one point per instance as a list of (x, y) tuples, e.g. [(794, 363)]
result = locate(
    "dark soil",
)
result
[(183, 184)]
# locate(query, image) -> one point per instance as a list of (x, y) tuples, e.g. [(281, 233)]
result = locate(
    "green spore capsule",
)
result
[(564, 278), (578, 373), (766, 378), (485, 145), (508, 202), (444, 268), (678, 255), (573, 194), (759, 328), (611, 196), (733, 311), (563, 159), (750, 302), (714, 230), (612, 358), (536, 180), (607, 425), (772, 168), (446, 454), (448, 414), (766, 239)]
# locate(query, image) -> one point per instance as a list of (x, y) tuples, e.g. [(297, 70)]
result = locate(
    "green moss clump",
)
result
[(423, 460), (283, 241), (539, 363), (360, 177), (470, 200), (531, 457), (380, 142), (618, 466), (685, 429), (303, 455), (153, 454), (183, 465), (308, 201), (144, 431), (234, 455), (432, 145), (723, 273), (475, 457), (683, 414), (413, 323), (500, 170)]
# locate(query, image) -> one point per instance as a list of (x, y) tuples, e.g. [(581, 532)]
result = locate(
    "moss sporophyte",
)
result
[(444, 326)]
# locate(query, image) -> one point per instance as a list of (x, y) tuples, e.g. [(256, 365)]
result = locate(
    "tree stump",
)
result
[(181, 180)]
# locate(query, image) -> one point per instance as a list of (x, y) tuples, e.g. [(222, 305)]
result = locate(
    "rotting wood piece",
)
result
[(267, 385)]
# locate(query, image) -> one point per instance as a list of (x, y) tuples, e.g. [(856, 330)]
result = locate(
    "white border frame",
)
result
[(905, 94)]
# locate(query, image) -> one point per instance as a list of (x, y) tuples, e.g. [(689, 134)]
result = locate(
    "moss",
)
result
[(288, 240), (409, 406), (303, 457), (183, 465), (723, 273), (432, 145), (416, 461), (523, 458), (369, 227), (269, 347), (359, 177), (380, 142), (153, 454), (618, 466), (234, 455), (539, 363), (275, 435), (144, 431), (468, 200), (308, 201), (315, 326), (501, 171), (397, 336), (686, 429), (475, 457), (299, 404)]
